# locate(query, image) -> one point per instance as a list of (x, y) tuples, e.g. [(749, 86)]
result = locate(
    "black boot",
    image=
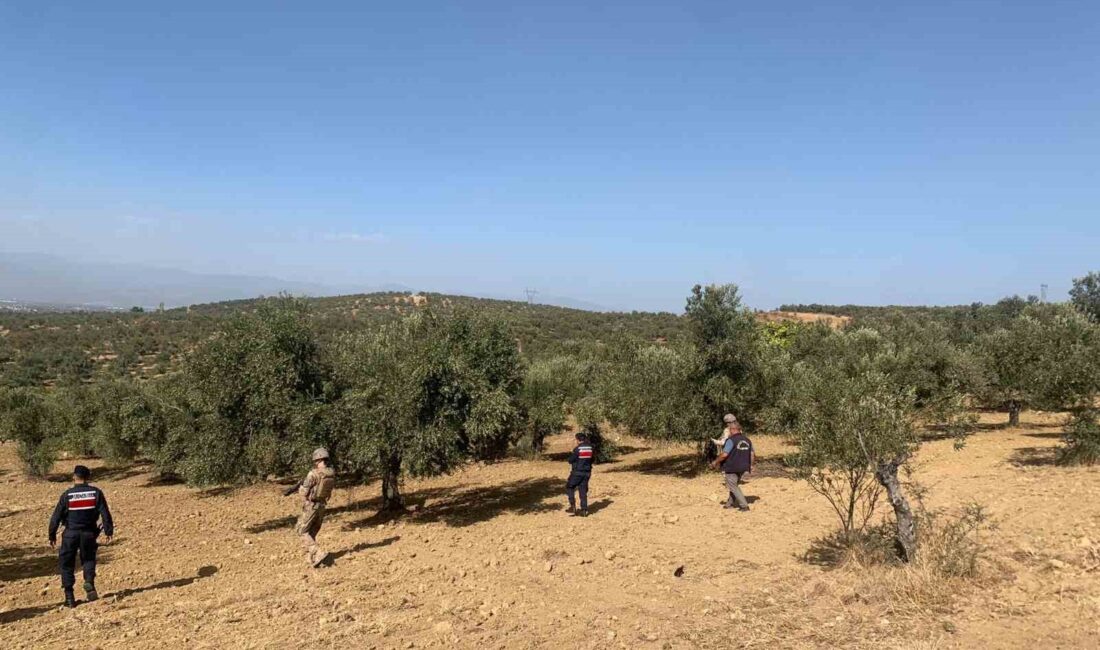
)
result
[(570, 510), (89, 589), (70, 599)]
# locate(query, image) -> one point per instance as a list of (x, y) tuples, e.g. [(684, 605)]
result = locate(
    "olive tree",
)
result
[(27, 417), (856, 422), (1067, 377), (654, 391), (258, 387), (1009, 357), (732, 354), (127, 419), (423, 394), (550, 388)]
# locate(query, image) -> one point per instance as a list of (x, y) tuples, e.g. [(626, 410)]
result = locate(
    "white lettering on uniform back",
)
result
[(82, 500)]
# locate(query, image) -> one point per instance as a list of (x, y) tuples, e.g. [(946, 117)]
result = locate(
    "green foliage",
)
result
[(1067, 366), (256, 390), (77, 414), (848, 421), (780, 334), (1085, 295), (1081, 439), (590, 413), (26, 417), (550, 387), (654, 391), (854, 405), (1008, 357), (733, 355), (420, 395), (127, 420)]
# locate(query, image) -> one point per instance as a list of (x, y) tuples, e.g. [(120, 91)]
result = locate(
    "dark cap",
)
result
[(82, 472)]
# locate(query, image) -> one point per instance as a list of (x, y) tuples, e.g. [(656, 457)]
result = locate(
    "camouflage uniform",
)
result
[(315, 489)]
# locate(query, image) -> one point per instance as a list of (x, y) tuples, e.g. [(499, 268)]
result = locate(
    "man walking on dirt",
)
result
[(79, 509), (315, 490), (736, 458), (581, 462)]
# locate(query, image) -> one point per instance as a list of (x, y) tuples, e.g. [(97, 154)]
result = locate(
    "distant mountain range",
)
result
[(45, 280)]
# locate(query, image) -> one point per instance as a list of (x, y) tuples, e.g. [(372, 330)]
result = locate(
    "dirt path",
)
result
[(489, 560)]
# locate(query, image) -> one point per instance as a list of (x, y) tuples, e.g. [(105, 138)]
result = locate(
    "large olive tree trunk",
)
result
[(887, 475), (391, 488), (1013, 414)]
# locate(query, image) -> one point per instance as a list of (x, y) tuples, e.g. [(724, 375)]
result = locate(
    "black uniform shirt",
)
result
[(581, 458), (79, 509)]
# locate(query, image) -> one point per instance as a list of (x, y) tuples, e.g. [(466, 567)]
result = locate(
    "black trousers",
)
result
[(72, 544), (578, 482)]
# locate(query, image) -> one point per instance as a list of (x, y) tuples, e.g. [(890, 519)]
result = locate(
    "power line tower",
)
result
[(531, 293), (1043, 292)]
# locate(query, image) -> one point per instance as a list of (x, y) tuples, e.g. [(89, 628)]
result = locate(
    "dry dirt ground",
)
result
[(490, 560)]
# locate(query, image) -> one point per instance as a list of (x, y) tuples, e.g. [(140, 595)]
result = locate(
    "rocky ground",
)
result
[(489, 560)]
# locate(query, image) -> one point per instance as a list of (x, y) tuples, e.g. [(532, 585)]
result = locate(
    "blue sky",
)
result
[(937, 152)]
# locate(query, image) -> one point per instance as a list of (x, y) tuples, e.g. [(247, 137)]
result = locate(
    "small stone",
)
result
[(610, 555), (610, 635), (950, 627), (549, 567)]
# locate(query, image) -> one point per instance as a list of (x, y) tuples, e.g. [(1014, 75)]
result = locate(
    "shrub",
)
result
[(1081, 440), (26, 416)]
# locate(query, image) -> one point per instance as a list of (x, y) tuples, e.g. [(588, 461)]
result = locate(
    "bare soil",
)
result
[(490, 560)]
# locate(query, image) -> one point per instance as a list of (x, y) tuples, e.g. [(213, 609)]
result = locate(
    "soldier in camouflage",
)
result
[(315, 490)]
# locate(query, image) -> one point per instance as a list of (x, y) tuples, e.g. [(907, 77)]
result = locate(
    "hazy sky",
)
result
[(616, 152)]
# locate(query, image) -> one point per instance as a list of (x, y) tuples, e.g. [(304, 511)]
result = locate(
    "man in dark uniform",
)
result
[(736, 459), (79, 510), (581, 461)]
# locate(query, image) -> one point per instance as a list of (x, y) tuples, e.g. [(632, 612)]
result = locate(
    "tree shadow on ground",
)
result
[(679, 465), (22, 562), (474, 505), (414, 501), (359, 548), (1034, 457), (272, 524), (113, 473), (942, 432), (688, 466), (875, 545), (1048, 435), (163, 480), (220, 491), (620, 451), (203, 572)]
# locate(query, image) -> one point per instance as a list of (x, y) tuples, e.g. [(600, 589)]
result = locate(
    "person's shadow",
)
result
[(358, 548), (597, 506), (30, 612), (204, 572)]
